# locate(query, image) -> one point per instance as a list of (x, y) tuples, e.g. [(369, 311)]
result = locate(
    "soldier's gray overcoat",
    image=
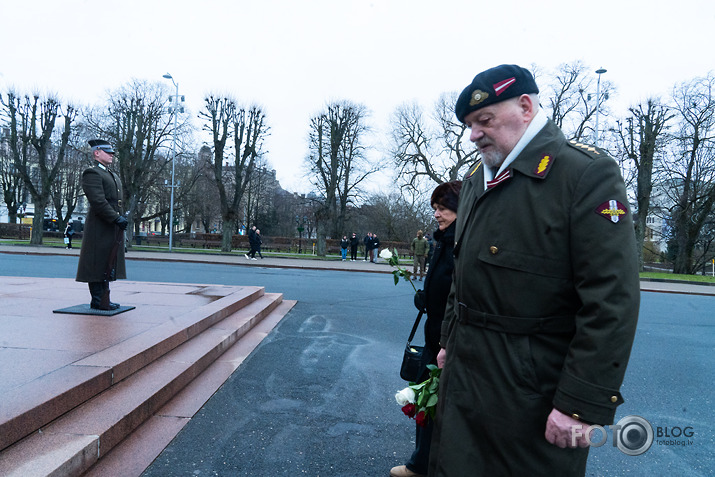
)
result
[(103, 191)]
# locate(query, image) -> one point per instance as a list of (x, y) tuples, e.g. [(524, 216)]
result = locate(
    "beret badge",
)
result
[(477, 97), (493, 86)]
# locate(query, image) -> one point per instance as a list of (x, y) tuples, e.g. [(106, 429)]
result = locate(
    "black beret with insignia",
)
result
[(495, 85)]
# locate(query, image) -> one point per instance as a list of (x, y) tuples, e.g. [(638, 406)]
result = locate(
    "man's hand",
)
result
[(559, 430), (441, 357), (121, 222)]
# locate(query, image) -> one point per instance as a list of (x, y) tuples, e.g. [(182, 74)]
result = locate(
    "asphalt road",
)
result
[(316, 397)]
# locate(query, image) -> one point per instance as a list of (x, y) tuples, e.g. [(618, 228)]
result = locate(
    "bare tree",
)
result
[(429, 151), (68, 186), (691, 173), (292, 216), (336, 163), (258, 197), (394, 218), (454, 142), (202, 201), (35, 157), (570, 98), (14, 193), (217, 115), (324, 164), (248, 130), (138, 124), (249, 133), (355, 167), (641, 138)]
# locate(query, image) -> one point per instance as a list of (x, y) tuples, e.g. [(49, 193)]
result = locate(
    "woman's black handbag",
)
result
[(416, 358)]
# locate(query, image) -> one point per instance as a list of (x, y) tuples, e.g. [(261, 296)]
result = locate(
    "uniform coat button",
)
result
[(493, 250)]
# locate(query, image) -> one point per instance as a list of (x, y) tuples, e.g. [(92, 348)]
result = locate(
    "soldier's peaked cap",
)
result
[(101, 144), (494, 85)]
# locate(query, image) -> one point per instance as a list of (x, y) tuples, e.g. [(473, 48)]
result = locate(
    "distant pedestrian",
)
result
[(251, 244), (375, 248), (354, 242), (257, 242), (368, 244), (344, 247), (69, 232), (420, 249)]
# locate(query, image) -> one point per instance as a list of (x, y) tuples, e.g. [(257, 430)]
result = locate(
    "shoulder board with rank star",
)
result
[(612, 210), (584, 147)]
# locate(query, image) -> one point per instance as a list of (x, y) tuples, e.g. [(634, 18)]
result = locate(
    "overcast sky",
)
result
[(292, 57)]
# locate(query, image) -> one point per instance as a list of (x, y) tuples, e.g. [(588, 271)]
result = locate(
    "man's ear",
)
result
[(527, 105)]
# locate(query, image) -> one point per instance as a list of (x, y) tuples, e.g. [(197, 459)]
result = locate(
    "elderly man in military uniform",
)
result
[(545, 298), (101, 258)]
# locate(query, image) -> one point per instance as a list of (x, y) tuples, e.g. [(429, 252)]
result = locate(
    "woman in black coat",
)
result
[(439, 276), (354, 242), (436, 291)]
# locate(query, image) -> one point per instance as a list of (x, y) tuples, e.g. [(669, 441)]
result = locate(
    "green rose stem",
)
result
[(394, 259)]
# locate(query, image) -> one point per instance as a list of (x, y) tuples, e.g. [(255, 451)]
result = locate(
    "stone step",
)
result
[(135, 453), (74, 442), (29, 406)]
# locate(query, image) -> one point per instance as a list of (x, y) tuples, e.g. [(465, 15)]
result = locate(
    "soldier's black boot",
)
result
[(96, 289), (112, 305)]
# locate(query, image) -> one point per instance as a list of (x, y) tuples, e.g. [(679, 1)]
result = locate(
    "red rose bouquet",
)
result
[(419, 401)]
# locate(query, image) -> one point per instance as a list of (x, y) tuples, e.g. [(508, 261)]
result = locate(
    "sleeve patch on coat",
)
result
[(612, 210)]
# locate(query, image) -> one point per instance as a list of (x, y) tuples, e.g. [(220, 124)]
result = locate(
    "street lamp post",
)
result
[(176, 110), (599, 72)]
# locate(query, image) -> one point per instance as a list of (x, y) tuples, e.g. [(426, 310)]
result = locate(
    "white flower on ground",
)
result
[(406, 396), (386, 254)]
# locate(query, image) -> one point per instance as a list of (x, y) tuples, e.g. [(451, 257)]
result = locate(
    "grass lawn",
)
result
[(675, 276)]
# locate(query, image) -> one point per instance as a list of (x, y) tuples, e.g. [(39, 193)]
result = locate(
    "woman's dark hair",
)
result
[(447, 195)]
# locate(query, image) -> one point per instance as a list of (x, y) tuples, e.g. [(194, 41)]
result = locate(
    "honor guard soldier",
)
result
[(101, 258)]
